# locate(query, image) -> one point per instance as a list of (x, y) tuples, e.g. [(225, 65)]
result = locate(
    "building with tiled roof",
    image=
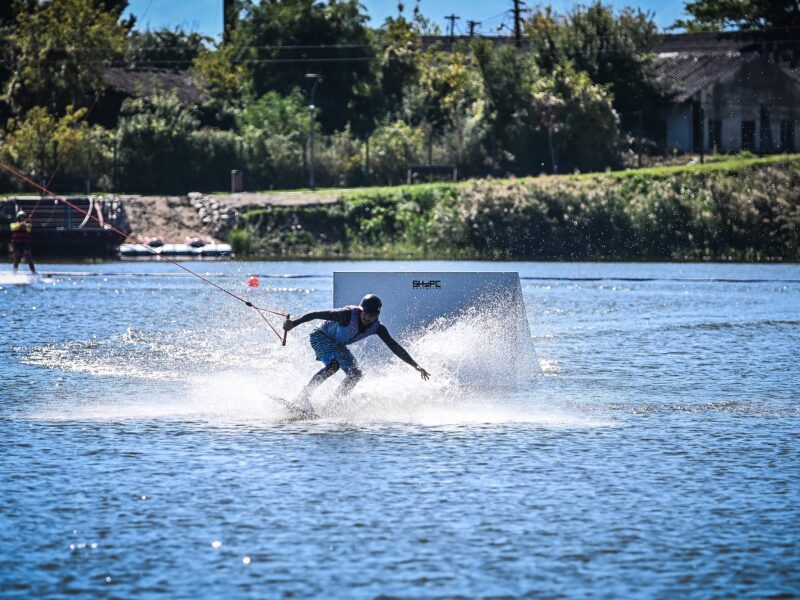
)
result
[(726, 92), (136, 83)]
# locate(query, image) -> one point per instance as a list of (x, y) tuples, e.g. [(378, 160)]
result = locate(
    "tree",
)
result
[(218, 68), (274, 130), (507, 77), (398, 51), (717, 15), (282, 40), (11, 9), (60, 50), (39, 143), (164, 48), (448, 83), (579, 117), (447, 101), (393, 147), (155, 144), (275, 114), (116, 8), (614, 49), (550, 106)]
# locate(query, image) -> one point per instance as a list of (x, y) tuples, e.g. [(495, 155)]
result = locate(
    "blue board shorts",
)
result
[(327, 350)]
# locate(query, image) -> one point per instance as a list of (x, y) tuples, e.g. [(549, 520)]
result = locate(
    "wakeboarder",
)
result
[(20, 240), (342, 327)]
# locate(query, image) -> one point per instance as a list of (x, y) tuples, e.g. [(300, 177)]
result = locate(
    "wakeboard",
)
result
[(11, 278), (295, 412)]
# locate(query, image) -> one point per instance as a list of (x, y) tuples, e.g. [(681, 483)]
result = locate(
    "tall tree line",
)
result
[(385, 99)]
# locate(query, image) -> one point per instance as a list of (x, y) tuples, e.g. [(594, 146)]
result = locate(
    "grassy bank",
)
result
[(739, 208)]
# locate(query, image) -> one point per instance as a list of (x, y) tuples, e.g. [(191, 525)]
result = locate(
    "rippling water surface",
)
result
[(656, 454)]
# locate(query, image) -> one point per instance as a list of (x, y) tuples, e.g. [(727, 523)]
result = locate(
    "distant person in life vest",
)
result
[(21, 240), (342, 327)]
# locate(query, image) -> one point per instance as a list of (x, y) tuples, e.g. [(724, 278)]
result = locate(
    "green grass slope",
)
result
[(739, 208)]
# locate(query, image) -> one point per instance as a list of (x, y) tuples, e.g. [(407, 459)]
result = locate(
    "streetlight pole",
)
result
[(312, 108)]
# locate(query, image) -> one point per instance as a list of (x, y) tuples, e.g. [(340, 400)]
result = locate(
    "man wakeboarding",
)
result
[(342, 327), (20, 239)]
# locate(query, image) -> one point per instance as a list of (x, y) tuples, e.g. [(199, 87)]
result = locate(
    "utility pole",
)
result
[(472, 25), (518, 4), (452, 19), (638, 114), (316, 78), (702, 134)]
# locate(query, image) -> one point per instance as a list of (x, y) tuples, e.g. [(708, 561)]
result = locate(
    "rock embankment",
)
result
[(213, 216), (170, 217), (217, 216)]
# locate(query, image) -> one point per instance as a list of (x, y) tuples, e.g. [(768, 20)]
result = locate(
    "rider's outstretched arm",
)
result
[(340, 315), (399, 351)]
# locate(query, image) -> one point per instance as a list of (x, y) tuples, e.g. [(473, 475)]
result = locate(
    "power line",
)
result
[(267, 47), (149, 4), (304, 60), (486, 21), (494, 17), (595, 45), (235, 61)]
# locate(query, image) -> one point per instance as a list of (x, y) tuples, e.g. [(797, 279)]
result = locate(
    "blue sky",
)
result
[(205, 16)]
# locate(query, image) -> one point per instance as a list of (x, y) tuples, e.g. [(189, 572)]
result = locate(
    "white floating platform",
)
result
[(187, 250)]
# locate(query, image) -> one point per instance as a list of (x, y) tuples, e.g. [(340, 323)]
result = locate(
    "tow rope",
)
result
[(108, 227)]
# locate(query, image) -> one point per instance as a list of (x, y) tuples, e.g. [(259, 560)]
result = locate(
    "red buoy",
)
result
[(253, 282)]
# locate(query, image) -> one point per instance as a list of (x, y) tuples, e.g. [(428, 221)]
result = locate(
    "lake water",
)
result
[(656, 454)]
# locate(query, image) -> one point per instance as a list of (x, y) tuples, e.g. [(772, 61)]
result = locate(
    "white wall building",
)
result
[(726, 94)]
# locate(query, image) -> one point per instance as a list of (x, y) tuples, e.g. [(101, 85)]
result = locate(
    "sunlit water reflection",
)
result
[(654, 452)]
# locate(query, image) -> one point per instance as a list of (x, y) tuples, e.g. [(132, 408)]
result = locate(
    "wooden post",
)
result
[(702, 135)]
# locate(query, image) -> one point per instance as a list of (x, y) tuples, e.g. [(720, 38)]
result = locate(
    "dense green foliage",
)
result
[(36, 142), (613, 49), (283, 40), (578, 116), (61, 50), (164, 49), (386, 99), (749, 210), (160, 130), (716, 15)]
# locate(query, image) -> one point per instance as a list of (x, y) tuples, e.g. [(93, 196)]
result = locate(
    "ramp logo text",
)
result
[(427, 285)]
